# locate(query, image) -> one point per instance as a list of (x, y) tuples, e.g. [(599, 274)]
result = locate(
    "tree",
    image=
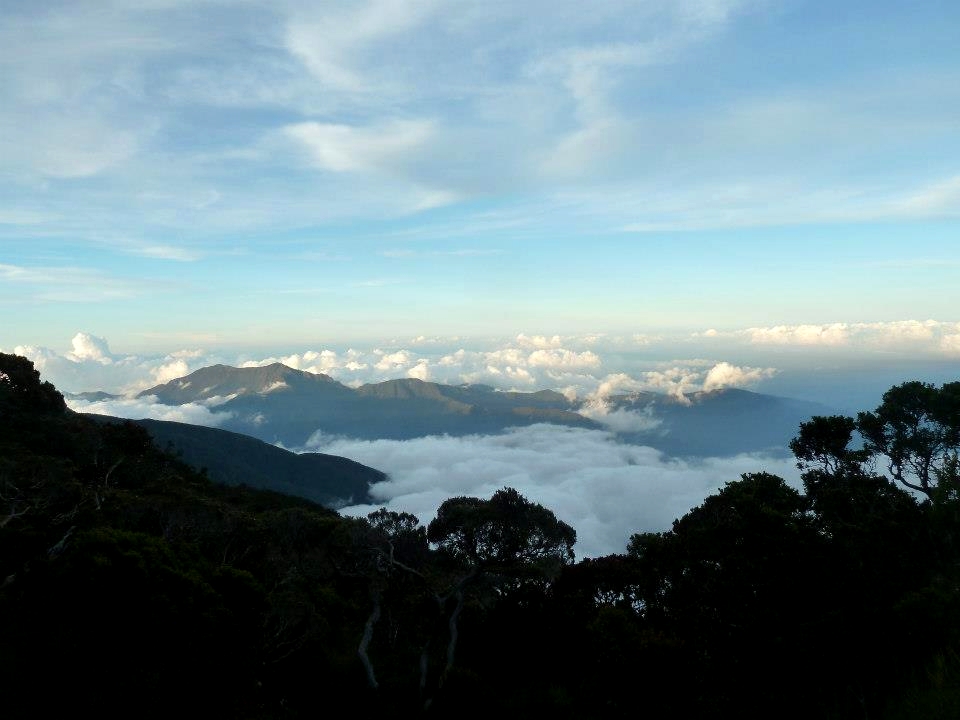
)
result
[(507, 531), (403, 539), (917, 429), (732, 582), (825, 442), (21, 389), (493, 548)]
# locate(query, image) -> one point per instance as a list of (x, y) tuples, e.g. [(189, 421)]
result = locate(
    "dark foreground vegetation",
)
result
[(132, 586)]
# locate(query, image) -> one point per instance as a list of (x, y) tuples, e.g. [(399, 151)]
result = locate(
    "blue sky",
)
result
[(255, 179)]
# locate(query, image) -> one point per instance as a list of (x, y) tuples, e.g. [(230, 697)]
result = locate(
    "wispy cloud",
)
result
[(342, 148), (463, 252), (379, 282), (332, 43), (68, 284)]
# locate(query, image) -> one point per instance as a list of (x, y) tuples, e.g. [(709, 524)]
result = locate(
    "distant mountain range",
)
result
[(278, 404), (717, 423)]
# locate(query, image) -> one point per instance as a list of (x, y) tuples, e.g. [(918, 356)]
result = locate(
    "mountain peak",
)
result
[(225, 381), (402, 388)]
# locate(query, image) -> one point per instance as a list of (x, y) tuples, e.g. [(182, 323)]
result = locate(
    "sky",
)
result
[(283, 176)]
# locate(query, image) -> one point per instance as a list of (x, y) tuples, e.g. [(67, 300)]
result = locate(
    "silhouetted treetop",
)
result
[(21, 389), (505, 530)]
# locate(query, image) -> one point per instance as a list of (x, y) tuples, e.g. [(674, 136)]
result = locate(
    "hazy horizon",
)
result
[(844, 367)]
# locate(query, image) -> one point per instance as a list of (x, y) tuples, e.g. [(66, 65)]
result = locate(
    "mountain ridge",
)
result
[(232, 458), (279, 404)]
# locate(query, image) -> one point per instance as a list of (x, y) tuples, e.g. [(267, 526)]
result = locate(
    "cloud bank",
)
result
[(605, 489), (924, 335), (148, 407), (91, 365)]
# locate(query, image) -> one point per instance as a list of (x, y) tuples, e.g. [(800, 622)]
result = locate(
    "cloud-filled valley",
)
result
[(604, 488)]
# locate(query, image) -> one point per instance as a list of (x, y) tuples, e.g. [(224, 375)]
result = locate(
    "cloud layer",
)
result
[(605, 489), (148, 407), (923, 335)]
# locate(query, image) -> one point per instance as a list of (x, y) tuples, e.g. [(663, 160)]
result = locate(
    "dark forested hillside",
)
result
[(235, 459), (133, 586)]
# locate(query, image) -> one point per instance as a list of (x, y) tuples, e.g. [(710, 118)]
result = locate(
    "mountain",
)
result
[(98, 396), (277, 403), (223, 383), (235, 459), (718, 422)]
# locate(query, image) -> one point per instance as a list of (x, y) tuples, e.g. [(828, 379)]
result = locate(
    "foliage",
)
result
[(917, 429), (504, 531), (21, 389)]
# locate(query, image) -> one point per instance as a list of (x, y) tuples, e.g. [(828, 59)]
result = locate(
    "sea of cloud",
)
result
[(606, 489)]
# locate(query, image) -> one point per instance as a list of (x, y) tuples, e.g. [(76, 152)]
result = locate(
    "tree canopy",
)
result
[(504, 531)]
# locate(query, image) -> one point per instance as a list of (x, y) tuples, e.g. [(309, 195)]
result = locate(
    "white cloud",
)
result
[(605, 489), (538, 341), (939, 198), (833, 334), (331, 45), (90, 347), (443, 102), (91, 365), (394, 361), (69, 284), (343, 148), (321, 362), (951, 343), (724, 375), (677, 381), (148, 407), (918, 334), (899, 332), (167, 252), (560, 359), (621, 420), (421, 371)]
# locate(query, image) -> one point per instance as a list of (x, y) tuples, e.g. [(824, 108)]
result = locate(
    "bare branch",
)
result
[(62, 544), (365, 642), (13, 516)]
